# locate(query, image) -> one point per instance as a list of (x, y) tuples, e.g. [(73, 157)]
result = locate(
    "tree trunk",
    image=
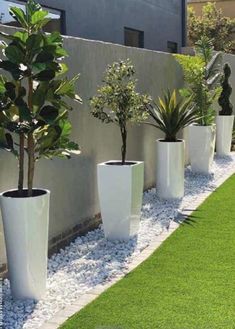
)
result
[(31, 146), (31, 163), (21, 165), (124, 140)]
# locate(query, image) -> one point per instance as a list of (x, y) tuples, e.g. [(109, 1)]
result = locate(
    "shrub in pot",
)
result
[(120, 183), (33, 124), (225, 119), (202, 73), (170, 116)]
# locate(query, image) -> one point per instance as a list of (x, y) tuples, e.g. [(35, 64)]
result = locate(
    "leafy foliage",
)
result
[(117, 100), (202, 74), (171, 115), (224, 102), (214, 25), (33, 101)]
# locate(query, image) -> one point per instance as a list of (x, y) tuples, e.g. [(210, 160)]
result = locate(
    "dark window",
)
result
[(133, 38), (172, 47), (57, 16)]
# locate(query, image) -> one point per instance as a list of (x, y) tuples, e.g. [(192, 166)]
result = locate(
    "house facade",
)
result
[(152, 24)]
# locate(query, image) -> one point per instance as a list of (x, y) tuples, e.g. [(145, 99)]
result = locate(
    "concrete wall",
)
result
[(161, 20), (73, 183)]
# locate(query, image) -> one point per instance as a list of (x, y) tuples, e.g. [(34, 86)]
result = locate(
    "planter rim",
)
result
[(225, 116), (199, 126), (135, 163), (179, 141), (24, 198)]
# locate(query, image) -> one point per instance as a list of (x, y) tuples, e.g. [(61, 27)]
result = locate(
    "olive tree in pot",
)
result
[(225, 119), (120, 183), (170, 116), (202, 73), (33, 124)]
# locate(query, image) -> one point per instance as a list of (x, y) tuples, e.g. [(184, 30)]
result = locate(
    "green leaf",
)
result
[(14, 54), (38, 16), (19, 15), (44, 57), (49, 113), (2, 85), (22, 36), (45, 75), (34, 43), (53, 38)]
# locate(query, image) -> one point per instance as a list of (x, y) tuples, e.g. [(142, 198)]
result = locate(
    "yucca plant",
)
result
[(171, 114)]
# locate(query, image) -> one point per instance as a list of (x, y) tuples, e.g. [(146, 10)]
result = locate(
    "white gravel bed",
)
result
[(91, 260)]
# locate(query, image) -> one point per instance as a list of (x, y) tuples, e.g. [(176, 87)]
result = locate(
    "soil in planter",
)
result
[(24, 193), (119, 163)]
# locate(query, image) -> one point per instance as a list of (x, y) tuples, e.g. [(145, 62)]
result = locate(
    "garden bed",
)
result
[(91, 260)]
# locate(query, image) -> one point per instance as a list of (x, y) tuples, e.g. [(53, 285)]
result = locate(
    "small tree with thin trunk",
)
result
[(118, 102), (33, 106)]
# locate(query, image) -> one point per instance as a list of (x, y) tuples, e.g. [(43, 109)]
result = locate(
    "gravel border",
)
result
[(91, 264)]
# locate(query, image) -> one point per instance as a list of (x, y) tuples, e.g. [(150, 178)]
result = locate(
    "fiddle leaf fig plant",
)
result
[(171, 114), (118, 102), (224, 99), (202, 74), (34, 108)]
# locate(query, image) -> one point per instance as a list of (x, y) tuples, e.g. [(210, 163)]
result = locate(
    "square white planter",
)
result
[(202, 147), (25, 222), (120, 190), (224, 131), (170, 169)]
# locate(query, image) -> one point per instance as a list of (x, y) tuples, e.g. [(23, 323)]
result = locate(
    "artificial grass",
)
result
[(188, 283)]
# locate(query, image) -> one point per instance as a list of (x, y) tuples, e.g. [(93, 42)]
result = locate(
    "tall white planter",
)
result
[(25, 222), (170, 169), (120, 194), (201, 147), (224, 130)]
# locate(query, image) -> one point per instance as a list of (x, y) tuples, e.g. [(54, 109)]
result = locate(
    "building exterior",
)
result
[(152, 24)]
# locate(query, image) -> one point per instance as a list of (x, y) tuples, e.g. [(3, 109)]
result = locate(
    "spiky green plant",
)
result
[(33, 95), (202, 74), (172, 114), (224, 99)]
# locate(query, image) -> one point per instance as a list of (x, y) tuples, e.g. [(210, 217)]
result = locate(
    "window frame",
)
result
[(141, 37), (62, 14)]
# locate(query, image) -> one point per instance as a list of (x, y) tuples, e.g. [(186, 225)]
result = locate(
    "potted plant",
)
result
[(225, 119), (170, 116), (202, 73), (33, 124), (120, 183)]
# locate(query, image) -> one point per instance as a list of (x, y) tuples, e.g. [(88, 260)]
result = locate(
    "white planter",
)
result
[(201, 147), (170, 169), (120, 194), (224, 130), (25, 222)]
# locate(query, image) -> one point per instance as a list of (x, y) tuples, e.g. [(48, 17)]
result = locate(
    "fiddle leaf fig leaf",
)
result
[(49, 113), (39, 16), (19, 15), (14, 54)]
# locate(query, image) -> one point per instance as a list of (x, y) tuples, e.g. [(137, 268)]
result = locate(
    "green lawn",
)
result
[(188, 283)]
